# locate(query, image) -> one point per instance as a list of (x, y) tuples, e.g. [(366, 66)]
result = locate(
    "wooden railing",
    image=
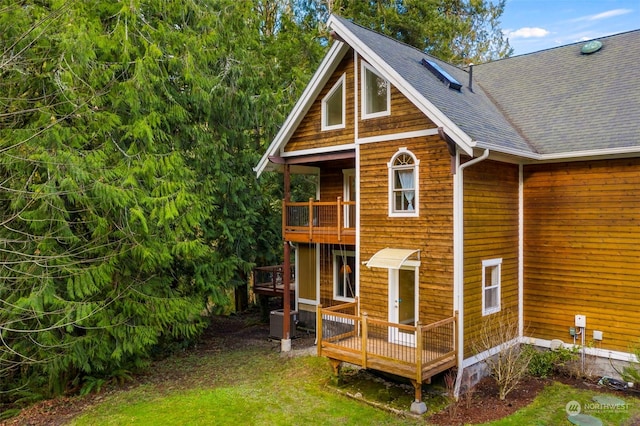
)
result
[(416, 352), (269, 280), (319, 221)]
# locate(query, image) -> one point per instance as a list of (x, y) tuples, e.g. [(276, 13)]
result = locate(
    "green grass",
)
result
[(257, 386), (549, 409), (243, 388)]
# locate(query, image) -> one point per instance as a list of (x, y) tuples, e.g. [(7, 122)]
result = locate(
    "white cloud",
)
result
[(604, 15), (528, 32)]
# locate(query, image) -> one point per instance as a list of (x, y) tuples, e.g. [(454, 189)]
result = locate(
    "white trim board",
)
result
[(397, 136)]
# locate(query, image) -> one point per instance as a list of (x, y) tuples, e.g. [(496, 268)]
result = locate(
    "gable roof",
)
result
[(553, 104), (469, 112), (567, 102)]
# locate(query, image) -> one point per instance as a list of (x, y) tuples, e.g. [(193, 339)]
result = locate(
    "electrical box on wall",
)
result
[(581, 321)]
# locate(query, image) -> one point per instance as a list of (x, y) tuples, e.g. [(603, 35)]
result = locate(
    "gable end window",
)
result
[(403, 184), (333, 108), (491, 283), (376, 96)]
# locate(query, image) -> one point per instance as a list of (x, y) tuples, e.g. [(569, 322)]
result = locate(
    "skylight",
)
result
[(442, 75)]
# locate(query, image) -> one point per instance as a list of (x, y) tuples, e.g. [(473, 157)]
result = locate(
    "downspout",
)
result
[(459, 257)]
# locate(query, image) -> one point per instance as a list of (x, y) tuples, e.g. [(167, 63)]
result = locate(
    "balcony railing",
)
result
[(319, 221), (416, 352), (269, 280)]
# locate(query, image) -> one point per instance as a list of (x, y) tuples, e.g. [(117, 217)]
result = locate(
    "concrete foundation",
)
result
[(285, 345), (418, 407)]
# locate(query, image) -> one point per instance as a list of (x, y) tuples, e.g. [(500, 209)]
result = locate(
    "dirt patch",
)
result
[(483, 405)]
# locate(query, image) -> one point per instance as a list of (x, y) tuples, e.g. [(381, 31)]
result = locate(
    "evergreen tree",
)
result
[(457, 31)]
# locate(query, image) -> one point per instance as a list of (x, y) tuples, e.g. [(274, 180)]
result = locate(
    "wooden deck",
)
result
[(369, 343), (268, 281), (319, 222)]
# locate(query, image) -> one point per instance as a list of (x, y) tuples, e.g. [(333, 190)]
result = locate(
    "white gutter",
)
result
[(458, 255)]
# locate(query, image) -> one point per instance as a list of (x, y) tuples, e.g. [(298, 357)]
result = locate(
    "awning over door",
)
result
[(391, 258)]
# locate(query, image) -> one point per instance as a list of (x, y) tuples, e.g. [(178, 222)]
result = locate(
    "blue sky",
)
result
[(533, 25)]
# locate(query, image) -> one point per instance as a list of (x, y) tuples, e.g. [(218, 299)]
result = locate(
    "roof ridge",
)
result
[(398, 41)]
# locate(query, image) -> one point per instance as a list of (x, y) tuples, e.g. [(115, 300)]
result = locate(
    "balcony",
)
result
[(269, 281), (330, 222), (419, 353)]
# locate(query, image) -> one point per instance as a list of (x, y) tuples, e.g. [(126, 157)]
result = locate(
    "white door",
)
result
[(403, 304)]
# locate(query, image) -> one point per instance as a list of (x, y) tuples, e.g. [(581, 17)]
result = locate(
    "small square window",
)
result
[(491, 283)]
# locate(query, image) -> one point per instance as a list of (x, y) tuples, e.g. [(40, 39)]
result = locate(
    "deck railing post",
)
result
[(285, 215), (363, 339), (339, 216), (310, 219), (419, 352), (319, 329)]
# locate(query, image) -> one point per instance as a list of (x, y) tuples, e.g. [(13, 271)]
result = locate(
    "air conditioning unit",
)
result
[(275, 323)]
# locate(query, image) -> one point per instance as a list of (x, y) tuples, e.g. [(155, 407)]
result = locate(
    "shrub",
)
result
[(544, 363), (499, 332)]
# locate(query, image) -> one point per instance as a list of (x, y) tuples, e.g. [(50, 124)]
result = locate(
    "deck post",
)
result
[(339, 216), (419, 355), (363, 345), (319, 329), (418, 406), (311, 219), (285, 343)]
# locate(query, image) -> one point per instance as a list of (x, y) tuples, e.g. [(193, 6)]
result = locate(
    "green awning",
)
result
[(392, 258)]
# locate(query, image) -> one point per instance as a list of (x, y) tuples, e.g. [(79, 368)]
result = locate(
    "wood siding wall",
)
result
[(582, 250), (491, 223), (404, 117), (431, 232), (309, 135)]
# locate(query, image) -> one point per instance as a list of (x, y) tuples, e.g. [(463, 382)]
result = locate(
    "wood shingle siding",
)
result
[(431, 232), (491, 223), (582, 250)]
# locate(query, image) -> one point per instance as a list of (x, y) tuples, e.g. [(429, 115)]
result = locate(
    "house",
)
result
[(448, 196)]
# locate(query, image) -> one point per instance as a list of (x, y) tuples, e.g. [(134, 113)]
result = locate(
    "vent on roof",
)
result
[(441, 74), (591, 47)]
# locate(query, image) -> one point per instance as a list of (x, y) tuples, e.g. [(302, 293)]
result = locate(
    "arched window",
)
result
[(403, 184)]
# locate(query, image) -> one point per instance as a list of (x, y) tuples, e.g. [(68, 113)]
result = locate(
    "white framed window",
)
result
[(376, 95), (333, 107), (491, 282), (403, 184), (349, 194), (344, 275)]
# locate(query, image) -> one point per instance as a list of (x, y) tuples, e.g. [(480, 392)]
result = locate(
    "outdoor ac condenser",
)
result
[(275, 324)]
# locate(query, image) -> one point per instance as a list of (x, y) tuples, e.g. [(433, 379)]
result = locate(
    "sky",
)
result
[(533, 25)]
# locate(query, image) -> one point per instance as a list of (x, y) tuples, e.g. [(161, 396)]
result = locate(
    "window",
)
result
[(344, 275), (403, 184), (376, 96), (349, 189), (491, 286), (333, 109)]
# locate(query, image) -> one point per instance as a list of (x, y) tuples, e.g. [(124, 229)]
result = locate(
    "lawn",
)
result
[(246, 387), (237, 377)]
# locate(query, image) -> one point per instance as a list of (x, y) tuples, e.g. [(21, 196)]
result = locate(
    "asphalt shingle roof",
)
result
[(554, 101)]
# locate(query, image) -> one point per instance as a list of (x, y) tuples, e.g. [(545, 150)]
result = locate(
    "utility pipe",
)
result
[(459, 260)]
